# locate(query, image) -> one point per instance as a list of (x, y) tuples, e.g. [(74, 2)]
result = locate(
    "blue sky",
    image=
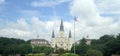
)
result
[(26, 19), (13, 9)]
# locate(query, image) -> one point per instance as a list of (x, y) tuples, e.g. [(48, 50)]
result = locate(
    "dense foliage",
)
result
[(107, 45), (81, 48), (92, 52), (69, 54), (10, 45), (37, 54), (42, 49), (17, 46)]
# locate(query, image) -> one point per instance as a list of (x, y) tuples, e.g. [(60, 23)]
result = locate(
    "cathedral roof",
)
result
[(39, 40)]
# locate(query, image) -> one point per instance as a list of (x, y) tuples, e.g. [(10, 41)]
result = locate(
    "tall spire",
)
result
[(61, 26), (37, 36), (53, 35), (70, 34)]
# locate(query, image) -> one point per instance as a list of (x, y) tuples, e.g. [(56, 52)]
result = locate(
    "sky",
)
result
[(25, 19)]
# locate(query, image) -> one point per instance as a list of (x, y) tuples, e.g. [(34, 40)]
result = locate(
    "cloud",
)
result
[(89, 20), (18, 29), (14, 33), (24, 29), (29, 13), (2, 1), (20, 24), (108, 6), (47, 3)]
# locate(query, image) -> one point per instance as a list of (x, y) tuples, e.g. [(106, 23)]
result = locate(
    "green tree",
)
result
[(10, 49), (81, 48), (25, 49), (28, 42), (47, 50), (42, 49), (99, 47), (106, 38), (118, 36), (112, 47), (92, 52), (37, 49), (60, 51), (37, 54), (69, 54), (10, 45), (83, 42), (100, 44)]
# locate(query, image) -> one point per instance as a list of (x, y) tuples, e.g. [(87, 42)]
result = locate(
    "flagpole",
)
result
[(74, 36)]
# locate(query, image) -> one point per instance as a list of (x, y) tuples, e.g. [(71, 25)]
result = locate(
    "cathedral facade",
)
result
[(61, 41)]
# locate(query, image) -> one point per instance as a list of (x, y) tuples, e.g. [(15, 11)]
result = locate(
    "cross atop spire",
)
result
[(53, 35), (61, 26)]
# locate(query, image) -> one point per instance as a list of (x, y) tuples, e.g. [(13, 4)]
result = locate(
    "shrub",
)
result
[(69, 54), (92, 52), (38, 54)]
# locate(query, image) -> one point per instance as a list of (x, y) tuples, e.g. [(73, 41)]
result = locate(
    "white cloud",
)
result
[(89, 20), (21, 29), (108, 6), (47, 3), (30, 13), (18, 29), (14, 33), (20, 24)]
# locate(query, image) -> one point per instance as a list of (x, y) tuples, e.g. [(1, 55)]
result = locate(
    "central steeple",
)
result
[(61, 26)]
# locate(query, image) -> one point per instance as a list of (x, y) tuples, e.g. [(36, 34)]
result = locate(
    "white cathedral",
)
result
[(61, 41)]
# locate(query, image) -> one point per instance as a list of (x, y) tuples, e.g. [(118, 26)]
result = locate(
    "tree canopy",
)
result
[(106, 44), (92, 52)]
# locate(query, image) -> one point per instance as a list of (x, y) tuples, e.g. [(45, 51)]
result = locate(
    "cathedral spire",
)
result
[(70, 34), (61, 26), (53, 35)]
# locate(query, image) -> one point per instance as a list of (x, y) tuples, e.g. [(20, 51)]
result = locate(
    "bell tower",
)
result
[(53, 35), (61, 26), (61, 32)]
